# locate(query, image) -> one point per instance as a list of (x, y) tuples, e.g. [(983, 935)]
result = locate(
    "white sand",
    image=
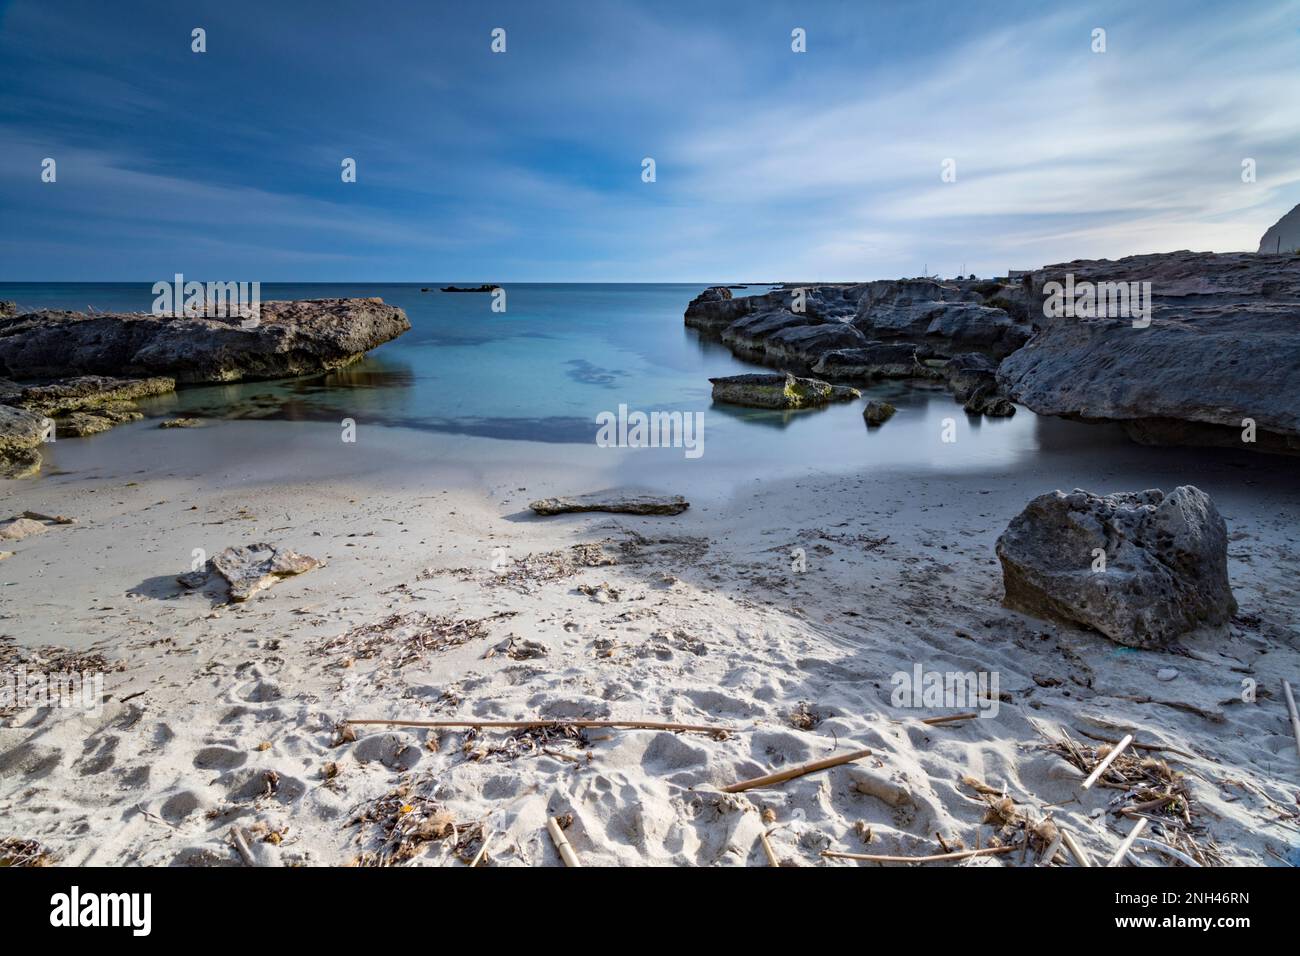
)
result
[(713, 627)]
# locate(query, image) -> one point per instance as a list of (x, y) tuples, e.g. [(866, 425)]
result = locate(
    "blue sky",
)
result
[(526, 166)]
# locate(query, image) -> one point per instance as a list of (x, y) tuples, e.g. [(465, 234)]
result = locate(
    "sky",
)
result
[(527, 165)]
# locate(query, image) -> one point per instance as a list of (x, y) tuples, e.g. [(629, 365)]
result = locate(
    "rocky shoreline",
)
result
[(1215, 362), (80, 373)]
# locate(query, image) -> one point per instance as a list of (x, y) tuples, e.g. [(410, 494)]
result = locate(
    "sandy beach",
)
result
[(778, 609)]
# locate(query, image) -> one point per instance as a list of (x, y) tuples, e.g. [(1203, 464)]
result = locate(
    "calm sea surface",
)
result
[(560, 355)]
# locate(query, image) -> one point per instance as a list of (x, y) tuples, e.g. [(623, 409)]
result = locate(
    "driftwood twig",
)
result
[(1107, 761), (936, 858), (562, 842), (784, 775)]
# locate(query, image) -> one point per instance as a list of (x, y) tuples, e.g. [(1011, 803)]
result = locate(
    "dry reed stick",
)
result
[(1295, 717), (767, 848), (948, 719), (237, 835), (561, 842), (784, 775), (1080, 855), (487, 838), (526, 724), (1107, 761), (882, 858), (1124, 847)]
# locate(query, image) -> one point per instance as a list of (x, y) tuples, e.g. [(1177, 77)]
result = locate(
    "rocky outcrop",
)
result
[(21, 435), (289, 339), (860, 332), (8, 308), (87, 404), (612, 501), (1283, 237), (1219, 363), (1142, 568), (875, 361), (770, 390)]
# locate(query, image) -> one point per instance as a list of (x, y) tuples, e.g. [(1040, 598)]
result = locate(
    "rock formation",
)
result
[(774, 390), (1218, 363), (612, 501), (1283, 236), (1141, 568), (290, 339)]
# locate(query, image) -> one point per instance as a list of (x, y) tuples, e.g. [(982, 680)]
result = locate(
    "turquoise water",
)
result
[(562, 354)]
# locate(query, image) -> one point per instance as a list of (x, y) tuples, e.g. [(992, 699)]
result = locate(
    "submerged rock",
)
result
[(250, 569), (181, 423), (1142, 568), (774, 390), (877, 413), (612, 501), (289, 339), (1219, 363)]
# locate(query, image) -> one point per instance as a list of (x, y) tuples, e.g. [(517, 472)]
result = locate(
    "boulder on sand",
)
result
[(250, 569), (21, 435), (1142, 568), (776, 390), (613, 501)]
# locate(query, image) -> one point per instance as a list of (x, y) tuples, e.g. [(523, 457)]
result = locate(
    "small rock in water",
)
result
[(877, 413), (1166, 673), (181, 423)]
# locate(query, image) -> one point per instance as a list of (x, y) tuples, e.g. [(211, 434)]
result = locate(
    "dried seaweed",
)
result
[(19, 852), (407, 637)]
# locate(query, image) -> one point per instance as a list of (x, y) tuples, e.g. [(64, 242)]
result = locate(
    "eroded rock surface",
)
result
[(247, 570), (1142, 568), (612, 501), (774, 390)]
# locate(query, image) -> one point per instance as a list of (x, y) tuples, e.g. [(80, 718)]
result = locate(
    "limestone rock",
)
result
[(774, 390), (250, 569), (21, 435), (1165, 563), (289, 339), (1283, 236), (877, 413), (612, 501)]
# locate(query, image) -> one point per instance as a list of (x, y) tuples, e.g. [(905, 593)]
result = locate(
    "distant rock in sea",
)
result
[(480, 288), (1283, 236)]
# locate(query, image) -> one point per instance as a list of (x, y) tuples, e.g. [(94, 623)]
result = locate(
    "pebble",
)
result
[(1166, 673)]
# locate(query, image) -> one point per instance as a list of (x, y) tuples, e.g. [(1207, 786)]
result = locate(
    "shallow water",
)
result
[(560, 355)]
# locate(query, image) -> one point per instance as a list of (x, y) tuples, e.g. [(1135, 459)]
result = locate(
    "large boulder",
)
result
[(1142, 568), (1218, 364), (1283, 237), (771, 390), (290, 338)]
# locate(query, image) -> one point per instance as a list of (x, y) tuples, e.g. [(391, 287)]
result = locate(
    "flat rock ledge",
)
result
[(775, 390), (614, 502), (250, 569), (1142, 568), (289, 339)]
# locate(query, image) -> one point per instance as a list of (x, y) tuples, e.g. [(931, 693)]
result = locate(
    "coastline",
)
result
[(708, 624)]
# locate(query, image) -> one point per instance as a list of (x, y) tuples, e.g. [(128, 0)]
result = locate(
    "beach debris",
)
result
[(1079, 853), (556, 828), (241, 846), (612, 501), (720, 732), (6, 554), (1049, 855), (1106, 761), (793, 772), (407, 637), (873, 783), (770, 853), (16, 529), (802, 717), (1142, 568), (933, 858), (1133, 834), (15, 851), (482, 849), (949, 718), (779, 390), (517, 649), (1291, 709), (406, 822), (1165, 848), (250, 569), (527, 573), (877, 413)]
